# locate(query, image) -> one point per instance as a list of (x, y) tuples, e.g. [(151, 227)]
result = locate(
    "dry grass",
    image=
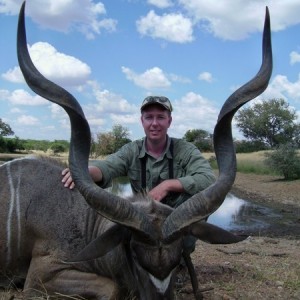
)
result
[(257, 156), (258, 268), (248, 162)]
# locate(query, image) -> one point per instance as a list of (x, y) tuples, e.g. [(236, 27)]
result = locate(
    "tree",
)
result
[(249, 146), (112, 141), (270, 121), (200, 138), (120, 135), (5, 129), (104, 144), (58, 147)]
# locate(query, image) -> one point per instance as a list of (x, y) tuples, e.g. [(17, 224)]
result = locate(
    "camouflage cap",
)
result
[(163, 101)]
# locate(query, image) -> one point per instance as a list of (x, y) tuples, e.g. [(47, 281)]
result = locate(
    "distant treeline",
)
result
[(11, 145)]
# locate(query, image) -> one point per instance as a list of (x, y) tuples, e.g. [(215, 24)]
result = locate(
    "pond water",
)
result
[(234, 214), (238, 214)]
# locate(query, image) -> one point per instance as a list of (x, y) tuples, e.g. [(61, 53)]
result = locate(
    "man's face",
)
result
[(156, 120)]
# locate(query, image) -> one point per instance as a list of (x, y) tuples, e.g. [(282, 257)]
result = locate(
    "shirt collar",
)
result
[(167, 152)]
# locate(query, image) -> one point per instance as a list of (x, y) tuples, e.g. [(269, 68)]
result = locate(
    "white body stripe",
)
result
[(9, 217), (17, 195), (14, 206)]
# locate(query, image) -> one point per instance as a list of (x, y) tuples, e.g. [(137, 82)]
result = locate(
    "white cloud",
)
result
[(177, 78), (193, 111), (170, 27), (281, 87), (205, 76), (4, 94), (22, 97), (125, 119), (27, 120), (65, 124), (59, 67), (13, 75), (109, 109), (110, 103), (84, 16), (235, 20), (10, 7), (161, 3), (294, 57), (151, 79), (57, 112), (96, 121), (63, 69), (16, 110)]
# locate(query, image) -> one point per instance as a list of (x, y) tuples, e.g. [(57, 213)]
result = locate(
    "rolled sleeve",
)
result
[(106, 175), (198, 172), (115, 165)]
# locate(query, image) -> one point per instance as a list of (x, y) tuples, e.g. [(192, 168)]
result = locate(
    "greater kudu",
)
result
[(126, 247)]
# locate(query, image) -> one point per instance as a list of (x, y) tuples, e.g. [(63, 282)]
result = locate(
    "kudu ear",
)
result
[(213, 234), (102, 244)]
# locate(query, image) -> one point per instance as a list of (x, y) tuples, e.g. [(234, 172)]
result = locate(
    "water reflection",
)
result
[(233, 214), (228, 212), (121, 187), (238, 214)]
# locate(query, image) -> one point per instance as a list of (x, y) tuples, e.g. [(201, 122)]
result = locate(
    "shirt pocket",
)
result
[(134, 176), (178, 172), (164, 175)]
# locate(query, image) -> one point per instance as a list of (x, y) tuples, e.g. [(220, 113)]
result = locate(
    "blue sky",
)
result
[(112, 54)]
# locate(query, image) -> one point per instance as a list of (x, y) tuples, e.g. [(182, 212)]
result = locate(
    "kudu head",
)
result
[(152, 232)]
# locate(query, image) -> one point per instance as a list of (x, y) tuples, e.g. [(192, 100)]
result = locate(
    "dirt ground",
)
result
[(264, 266), (267, 264)]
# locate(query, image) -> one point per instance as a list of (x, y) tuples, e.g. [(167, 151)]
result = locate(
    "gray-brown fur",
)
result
[(73, 247), (44, 225)]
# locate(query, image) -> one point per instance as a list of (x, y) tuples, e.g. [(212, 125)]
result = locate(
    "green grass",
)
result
[(255, 167), (247, 163)]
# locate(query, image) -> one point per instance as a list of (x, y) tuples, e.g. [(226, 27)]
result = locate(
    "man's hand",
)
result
[(67, 179), (68, 182), (161, 190)]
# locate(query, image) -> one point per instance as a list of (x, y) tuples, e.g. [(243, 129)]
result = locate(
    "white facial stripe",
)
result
[(161, 285)]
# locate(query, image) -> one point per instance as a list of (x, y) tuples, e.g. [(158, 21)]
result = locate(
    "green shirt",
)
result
[(190, 168)]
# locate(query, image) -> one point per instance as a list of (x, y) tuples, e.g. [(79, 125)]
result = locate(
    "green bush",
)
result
[(285, 161), (57, 147), (10, 145), (249, 146)]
